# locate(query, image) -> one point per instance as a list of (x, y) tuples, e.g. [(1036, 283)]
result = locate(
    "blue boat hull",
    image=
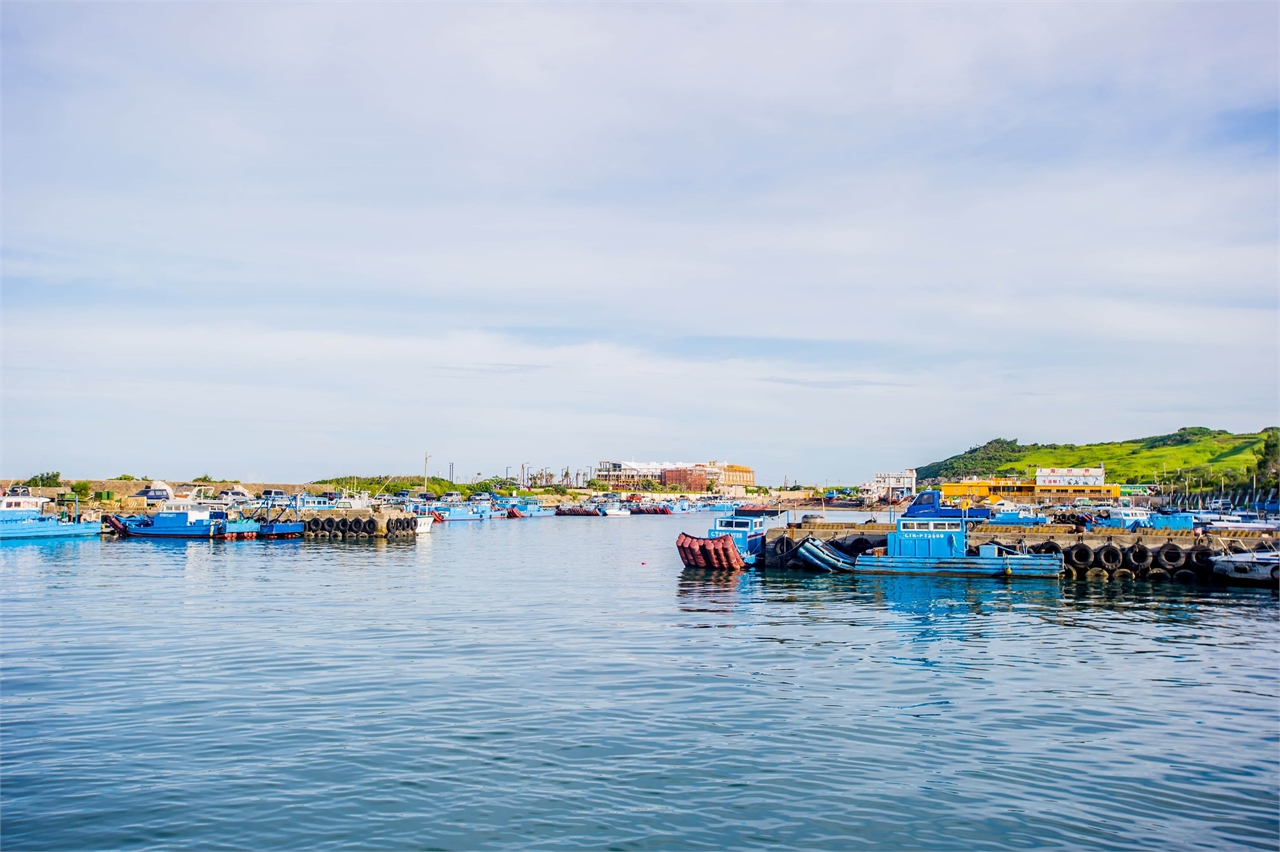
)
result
[(48, 529), (293, 529), (1046, 565), (193, 531)]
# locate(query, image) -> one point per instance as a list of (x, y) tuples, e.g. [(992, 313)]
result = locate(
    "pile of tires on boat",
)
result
[(719, 552), (652, 509)]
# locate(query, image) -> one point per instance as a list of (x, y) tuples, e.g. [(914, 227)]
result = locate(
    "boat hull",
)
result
[(1247, 569), (292, 529), (1046, 566), (22, 530), (194, 531)]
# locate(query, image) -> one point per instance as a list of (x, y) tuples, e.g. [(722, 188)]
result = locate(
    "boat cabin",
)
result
[(21, 508), (935, 538)]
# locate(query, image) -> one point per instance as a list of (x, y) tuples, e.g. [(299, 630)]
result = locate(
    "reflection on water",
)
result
[(563, 683), (726, 590)]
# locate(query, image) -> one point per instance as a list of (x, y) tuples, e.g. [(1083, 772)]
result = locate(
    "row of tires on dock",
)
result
[(1168, 561), (1161, 562), (366, 526)]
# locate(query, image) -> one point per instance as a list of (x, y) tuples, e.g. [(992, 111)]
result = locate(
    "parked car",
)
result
[(274, 495), (156, 492), (19, 491)]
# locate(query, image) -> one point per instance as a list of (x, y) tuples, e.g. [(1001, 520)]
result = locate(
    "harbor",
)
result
[(1130, 539), (576, 667)]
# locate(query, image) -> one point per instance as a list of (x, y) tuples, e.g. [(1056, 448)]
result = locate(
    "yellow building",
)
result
[(737, 474), (1024, 491)]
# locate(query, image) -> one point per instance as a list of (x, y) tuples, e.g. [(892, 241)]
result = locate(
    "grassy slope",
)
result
[(1193, 449)]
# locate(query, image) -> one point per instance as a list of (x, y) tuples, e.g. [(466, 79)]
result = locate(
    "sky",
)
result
[(286, 241)]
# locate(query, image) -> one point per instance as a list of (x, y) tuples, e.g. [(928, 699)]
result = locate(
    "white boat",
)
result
[(424, 523), (1255, 566), (615, 510), (354, 501)]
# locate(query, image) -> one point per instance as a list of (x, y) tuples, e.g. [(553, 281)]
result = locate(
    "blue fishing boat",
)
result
[(176, 519), (21, 518), (521, 507), (933, 548), (450, 512), (282, 529), (275, 523)]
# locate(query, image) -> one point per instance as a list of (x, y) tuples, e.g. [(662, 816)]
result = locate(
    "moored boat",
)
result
[(934, 547), (732, 542), (1248, 567), (176, 519), (21, 517), (520, 507)]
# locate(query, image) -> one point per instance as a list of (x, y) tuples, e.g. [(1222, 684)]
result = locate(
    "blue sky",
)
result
[(285, 241)]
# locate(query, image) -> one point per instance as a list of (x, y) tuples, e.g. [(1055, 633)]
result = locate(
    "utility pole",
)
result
[(426, 462), (451, 472)]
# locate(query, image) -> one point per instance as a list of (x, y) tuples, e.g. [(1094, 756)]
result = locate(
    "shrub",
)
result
[(45, 480)]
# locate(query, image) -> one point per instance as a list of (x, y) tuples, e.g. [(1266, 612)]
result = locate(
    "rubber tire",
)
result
[(1080, 555), (1170, 557), (1138, 557), (344, 525), (1109, 557), (329, 524), (1049, 547), (370, 526), (313, 525)]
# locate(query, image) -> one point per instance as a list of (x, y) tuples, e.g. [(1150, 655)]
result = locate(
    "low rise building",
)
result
[(685, 478), (1051, 485), (627, 475)]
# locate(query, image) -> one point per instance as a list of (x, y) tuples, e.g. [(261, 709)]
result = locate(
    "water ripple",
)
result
[(561, 683)]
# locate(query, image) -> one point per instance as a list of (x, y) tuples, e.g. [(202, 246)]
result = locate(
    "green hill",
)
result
[(1192, 453)]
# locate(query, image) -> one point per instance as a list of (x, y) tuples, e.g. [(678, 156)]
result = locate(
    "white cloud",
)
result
[(1047, 220)]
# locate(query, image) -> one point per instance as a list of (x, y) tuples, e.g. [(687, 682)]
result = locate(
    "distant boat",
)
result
[(521, 507), (21, 518), (614, 509)]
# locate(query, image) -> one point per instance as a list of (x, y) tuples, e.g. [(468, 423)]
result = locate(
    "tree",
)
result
[(52, 479), (82, 489)]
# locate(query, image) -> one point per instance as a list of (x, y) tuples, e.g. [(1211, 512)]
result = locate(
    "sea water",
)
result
[(563, 683)]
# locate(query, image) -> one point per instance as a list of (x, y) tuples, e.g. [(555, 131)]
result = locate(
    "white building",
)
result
[(1070, 476), (904, 481), (896, 485)]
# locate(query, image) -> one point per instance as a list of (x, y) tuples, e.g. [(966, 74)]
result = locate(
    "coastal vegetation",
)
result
[(52, 479), (1204, 458)]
